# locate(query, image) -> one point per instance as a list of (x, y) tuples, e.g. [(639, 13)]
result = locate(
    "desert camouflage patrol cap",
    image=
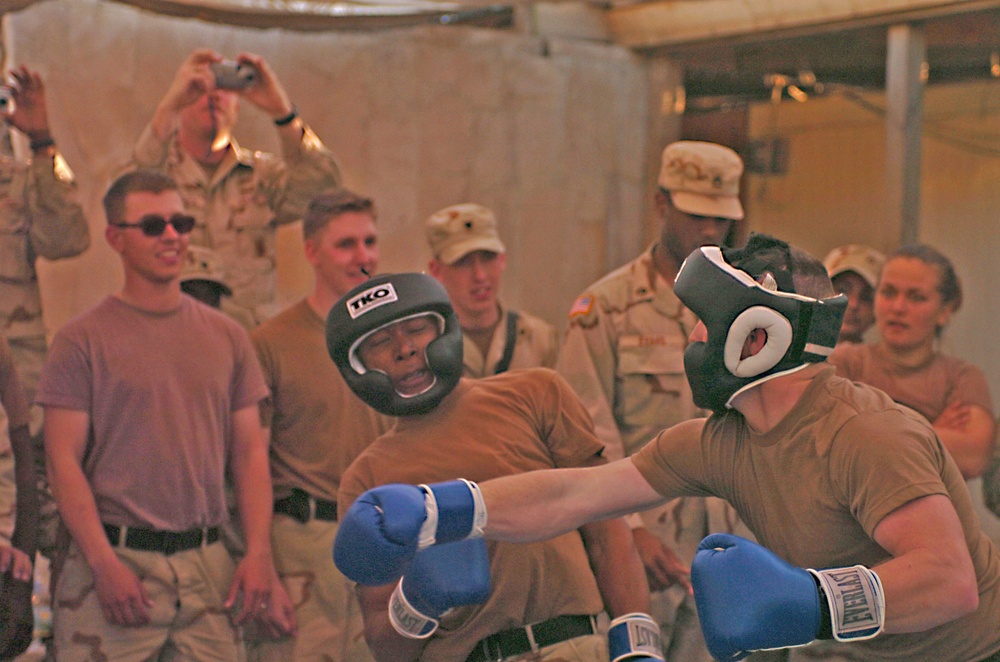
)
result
[(702, 178)]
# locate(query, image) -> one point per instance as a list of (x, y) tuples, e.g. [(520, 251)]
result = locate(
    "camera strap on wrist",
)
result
[(287, 119), (42, 143)]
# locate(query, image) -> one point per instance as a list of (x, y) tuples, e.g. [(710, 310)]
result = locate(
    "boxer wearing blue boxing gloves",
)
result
[(828, 474), (429, 586)]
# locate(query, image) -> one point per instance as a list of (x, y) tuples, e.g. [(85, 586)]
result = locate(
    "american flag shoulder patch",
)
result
[(582, 305)]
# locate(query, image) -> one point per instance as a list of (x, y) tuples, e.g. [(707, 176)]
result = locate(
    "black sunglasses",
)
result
[(153, 225)]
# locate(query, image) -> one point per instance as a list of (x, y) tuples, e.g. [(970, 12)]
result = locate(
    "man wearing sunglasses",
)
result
[(150, 399), (238, 196)]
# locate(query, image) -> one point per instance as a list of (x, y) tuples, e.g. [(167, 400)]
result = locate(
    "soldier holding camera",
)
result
[(237, 196)]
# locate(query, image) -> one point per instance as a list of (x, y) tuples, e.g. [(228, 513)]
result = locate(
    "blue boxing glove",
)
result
[(387, 525), (635, 637), (750, 599), (439, 578)]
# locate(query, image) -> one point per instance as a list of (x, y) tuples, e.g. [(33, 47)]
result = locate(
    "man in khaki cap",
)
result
[(623, 353), (854, 271), (469, 260)]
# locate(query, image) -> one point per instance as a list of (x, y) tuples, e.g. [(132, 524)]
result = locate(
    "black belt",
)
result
[(518, 641), (303, 507), (165, 542)]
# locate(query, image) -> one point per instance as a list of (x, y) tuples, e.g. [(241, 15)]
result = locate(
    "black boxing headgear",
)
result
[(722, 289), (382, 301)]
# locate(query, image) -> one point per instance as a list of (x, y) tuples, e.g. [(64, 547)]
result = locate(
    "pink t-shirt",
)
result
[(160, 389)]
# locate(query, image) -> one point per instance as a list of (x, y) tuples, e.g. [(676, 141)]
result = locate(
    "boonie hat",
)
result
[(456, 231), (703, 178), (862, 260), (203, 263)]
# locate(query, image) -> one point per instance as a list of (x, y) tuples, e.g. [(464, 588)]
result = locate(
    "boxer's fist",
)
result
[(387, 525), (378, 535), (750, 599), (439, 578)]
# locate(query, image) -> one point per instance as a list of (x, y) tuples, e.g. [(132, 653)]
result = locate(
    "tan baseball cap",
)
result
[(703, 178), (456, 231), (203, 263), (862, 260)]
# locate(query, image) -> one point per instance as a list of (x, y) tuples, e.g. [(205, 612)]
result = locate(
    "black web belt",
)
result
[(302, 507), (518, 641), (164, 542)]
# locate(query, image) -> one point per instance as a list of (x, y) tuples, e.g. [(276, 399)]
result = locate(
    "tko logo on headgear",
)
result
[(370, 299)]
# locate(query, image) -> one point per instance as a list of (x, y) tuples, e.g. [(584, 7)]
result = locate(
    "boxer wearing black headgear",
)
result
[(380, 302), (734, 292)]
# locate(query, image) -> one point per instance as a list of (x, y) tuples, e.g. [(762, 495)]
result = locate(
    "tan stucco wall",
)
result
[(551, 134)]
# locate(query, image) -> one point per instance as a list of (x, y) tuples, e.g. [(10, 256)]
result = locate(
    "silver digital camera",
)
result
[(230, 75)]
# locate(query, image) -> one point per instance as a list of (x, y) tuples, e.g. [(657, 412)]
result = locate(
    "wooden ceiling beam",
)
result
[(666, 23)]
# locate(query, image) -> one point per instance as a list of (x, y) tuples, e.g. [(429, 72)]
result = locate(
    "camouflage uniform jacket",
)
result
[(239, 205), (535, 346), (40, 216), (623, 354)]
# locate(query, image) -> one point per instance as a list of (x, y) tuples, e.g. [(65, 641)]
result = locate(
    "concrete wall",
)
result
[(551, 134)]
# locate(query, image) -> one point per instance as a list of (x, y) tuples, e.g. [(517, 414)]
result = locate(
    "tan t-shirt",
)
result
[(318, 426), (814, 488), (518, 421), (929, 389)]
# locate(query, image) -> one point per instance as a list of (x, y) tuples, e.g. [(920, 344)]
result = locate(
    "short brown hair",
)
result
[(328, 205), (150, 181), (795, 269), (949, 286)]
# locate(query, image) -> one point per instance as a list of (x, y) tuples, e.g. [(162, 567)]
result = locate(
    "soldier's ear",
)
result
[(114, 236)]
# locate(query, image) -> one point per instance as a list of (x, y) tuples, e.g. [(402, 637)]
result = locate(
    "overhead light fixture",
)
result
[(797, 93), (795, 86), (806, 77), (995, 64), (777, 83), (680, 100), (673, 102)]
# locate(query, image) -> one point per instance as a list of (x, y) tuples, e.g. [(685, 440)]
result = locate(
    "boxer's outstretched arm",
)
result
[(541, 504), (387, 525)]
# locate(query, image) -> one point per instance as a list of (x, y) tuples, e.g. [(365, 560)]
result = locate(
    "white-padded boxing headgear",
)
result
[(731, 304)]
